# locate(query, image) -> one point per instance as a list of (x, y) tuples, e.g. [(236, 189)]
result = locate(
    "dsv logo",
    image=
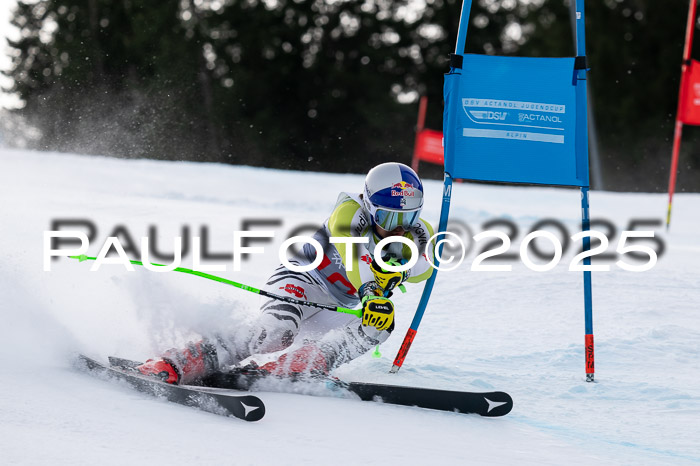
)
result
[(486, 115)]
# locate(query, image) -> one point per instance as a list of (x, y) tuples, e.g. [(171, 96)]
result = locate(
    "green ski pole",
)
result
[(328, 307)]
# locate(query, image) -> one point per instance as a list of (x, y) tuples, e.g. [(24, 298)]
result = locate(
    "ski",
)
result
[(245, 407), (489, 404)]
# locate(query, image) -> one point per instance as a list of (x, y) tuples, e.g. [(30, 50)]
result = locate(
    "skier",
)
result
[(389, 206)]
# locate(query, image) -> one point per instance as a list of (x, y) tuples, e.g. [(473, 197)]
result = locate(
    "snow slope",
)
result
[(518, 331)]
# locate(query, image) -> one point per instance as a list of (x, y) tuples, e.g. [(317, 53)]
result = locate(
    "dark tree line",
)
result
[(321, 85)]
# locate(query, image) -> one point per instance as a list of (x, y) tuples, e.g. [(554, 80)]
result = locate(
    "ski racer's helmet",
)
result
[(393, 196)]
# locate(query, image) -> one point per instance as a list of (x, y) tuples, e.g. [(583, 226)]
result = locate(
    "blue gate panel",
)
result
[(513, 119)]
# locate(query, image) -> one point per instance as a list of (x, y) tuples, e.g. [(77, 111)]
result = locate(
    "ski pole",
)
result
[(328, 307)]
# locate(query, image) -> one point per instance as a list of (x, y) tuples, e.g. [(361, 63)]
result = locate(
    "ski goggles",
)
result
[(389, 220)]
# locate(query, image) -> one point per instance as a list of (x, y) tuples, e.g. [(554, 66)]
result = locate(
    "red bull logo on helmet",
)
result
[(403, 189)]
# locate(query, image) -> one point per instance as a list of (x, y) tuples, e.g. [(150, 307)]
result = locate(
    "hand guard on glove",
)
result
[(388, 280), (377, 312)]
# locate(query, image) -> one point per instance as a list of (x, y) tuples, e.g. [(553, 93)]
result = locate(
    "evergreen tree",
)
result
[(110, 77)]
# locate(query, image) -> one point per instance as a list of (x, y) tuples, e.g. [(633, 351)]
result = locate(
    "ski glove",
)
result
[(377, 312), (388, 280)]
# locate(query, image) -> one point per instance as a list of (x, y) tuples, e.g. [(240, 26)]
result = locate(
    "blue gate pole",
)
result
[(411, 333), (463, 26), (582, 155), (444, 211), (587, 289)]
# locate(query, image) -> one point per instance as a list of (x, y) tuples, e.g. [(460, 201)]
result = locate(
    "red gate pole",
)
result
[(419, 127), (689, 30)]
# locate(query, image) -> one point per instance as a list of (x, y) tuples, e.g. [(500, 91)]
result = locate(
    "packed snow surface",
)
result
[(519, 331)]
